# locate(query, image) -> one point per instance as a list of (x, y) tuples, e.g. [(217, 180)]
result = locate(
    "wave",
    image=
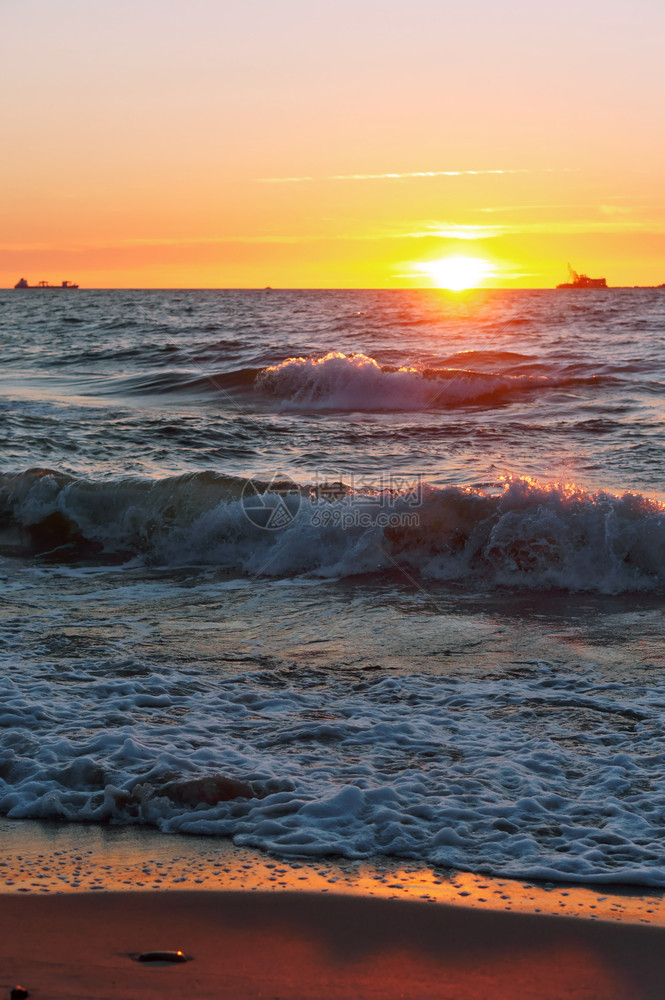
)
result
[(480, 775), (515, 533), (357, 382), (165, 382)]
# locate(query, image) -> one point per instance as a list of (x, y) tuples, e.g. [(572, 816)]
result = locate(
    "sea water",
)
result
[(347, 573)]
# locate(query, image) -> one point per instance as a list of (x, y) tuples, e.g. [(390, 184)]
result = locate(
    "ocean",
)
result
[(366, 574)]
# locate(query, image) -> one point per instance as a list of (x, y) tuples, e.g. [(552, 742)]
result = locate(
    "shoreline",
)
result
[(45, 858), (304, 945)]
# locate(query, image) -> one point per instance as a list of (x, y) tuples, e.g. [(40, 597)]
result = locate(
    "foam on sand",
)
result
[(543, 775)]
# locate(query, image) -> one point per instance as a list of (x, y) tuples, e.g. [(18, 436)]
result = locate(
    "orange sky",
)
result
[(215, 144)]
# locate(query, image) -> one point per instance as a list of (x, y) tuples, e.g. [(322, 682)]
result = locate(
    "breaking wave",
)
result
[(516, 533), (339, 381), (357, 382)]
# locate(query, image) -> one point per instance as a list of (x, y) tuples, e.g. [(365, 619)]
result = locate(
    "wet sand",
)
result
[(51, 857), (305, 945), (76, 902)]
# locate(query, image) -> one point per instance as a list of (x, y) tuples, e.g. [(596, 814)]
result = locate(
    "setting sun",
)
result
[(456, 273)]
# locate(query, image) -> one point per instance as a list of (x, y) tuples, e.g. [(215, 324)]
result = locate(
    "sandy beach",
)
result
[(302, 945), (80, 903)]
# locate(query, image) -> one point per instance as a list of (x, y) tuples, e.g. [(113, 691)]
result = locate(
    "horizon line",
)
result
[(321, 288)]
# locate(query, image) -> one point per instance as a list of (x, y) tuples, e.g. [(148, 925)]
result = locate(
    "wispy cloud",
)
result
[(450, 231), (609, 224), (414, 175), (157, 241), (604, 209), (614, 209), (585, 226), (555, 206), (608, 221)]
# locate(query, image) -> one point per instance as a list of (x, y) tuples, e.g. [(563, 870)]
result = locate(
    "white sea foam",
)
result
[(543, 776)]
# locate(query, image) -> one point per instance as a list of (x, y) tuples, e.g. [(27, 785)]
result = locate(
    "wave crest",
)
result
[(357, 382), (517, 533)]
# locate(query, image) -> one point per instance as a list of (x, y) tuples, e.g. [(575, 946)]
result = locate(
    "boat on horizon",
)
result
[(22, 283), (582, 281)]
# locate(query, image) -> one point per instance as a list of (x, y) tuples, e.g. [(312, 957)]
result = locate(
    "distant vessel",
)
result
[(582, 281), (22, 283)]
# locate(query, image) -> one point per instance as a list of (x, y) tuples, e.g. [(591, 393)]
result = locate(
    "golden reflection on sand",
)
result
[(44, 858)]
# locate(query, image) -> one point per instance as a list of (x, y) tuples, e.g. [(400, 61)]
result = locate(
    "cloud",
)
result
[(557, 206), (451, 231), (604, 209), (614, 210), (565, 228), (610, 222), (415, 175)]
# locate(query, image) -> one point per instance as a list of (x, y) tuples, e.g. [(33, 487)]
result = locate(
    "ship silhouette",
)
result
[(22, 283), (582, 281)]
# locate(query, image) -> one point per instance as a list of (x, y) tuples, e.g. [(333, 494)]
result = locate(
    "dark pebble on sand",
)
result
[(18, 993), (162, 956)]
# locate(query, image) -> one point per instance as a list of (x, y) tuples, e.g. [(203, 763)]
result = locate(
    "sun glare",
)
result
[(456, 273)]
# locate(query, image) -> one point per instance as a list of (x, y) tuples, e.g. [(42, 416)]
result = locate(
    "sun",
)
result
[(456, 273)]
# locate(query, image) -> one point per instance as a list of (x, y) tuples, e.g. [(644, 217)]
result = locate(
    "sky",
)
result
[(304, 143)]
